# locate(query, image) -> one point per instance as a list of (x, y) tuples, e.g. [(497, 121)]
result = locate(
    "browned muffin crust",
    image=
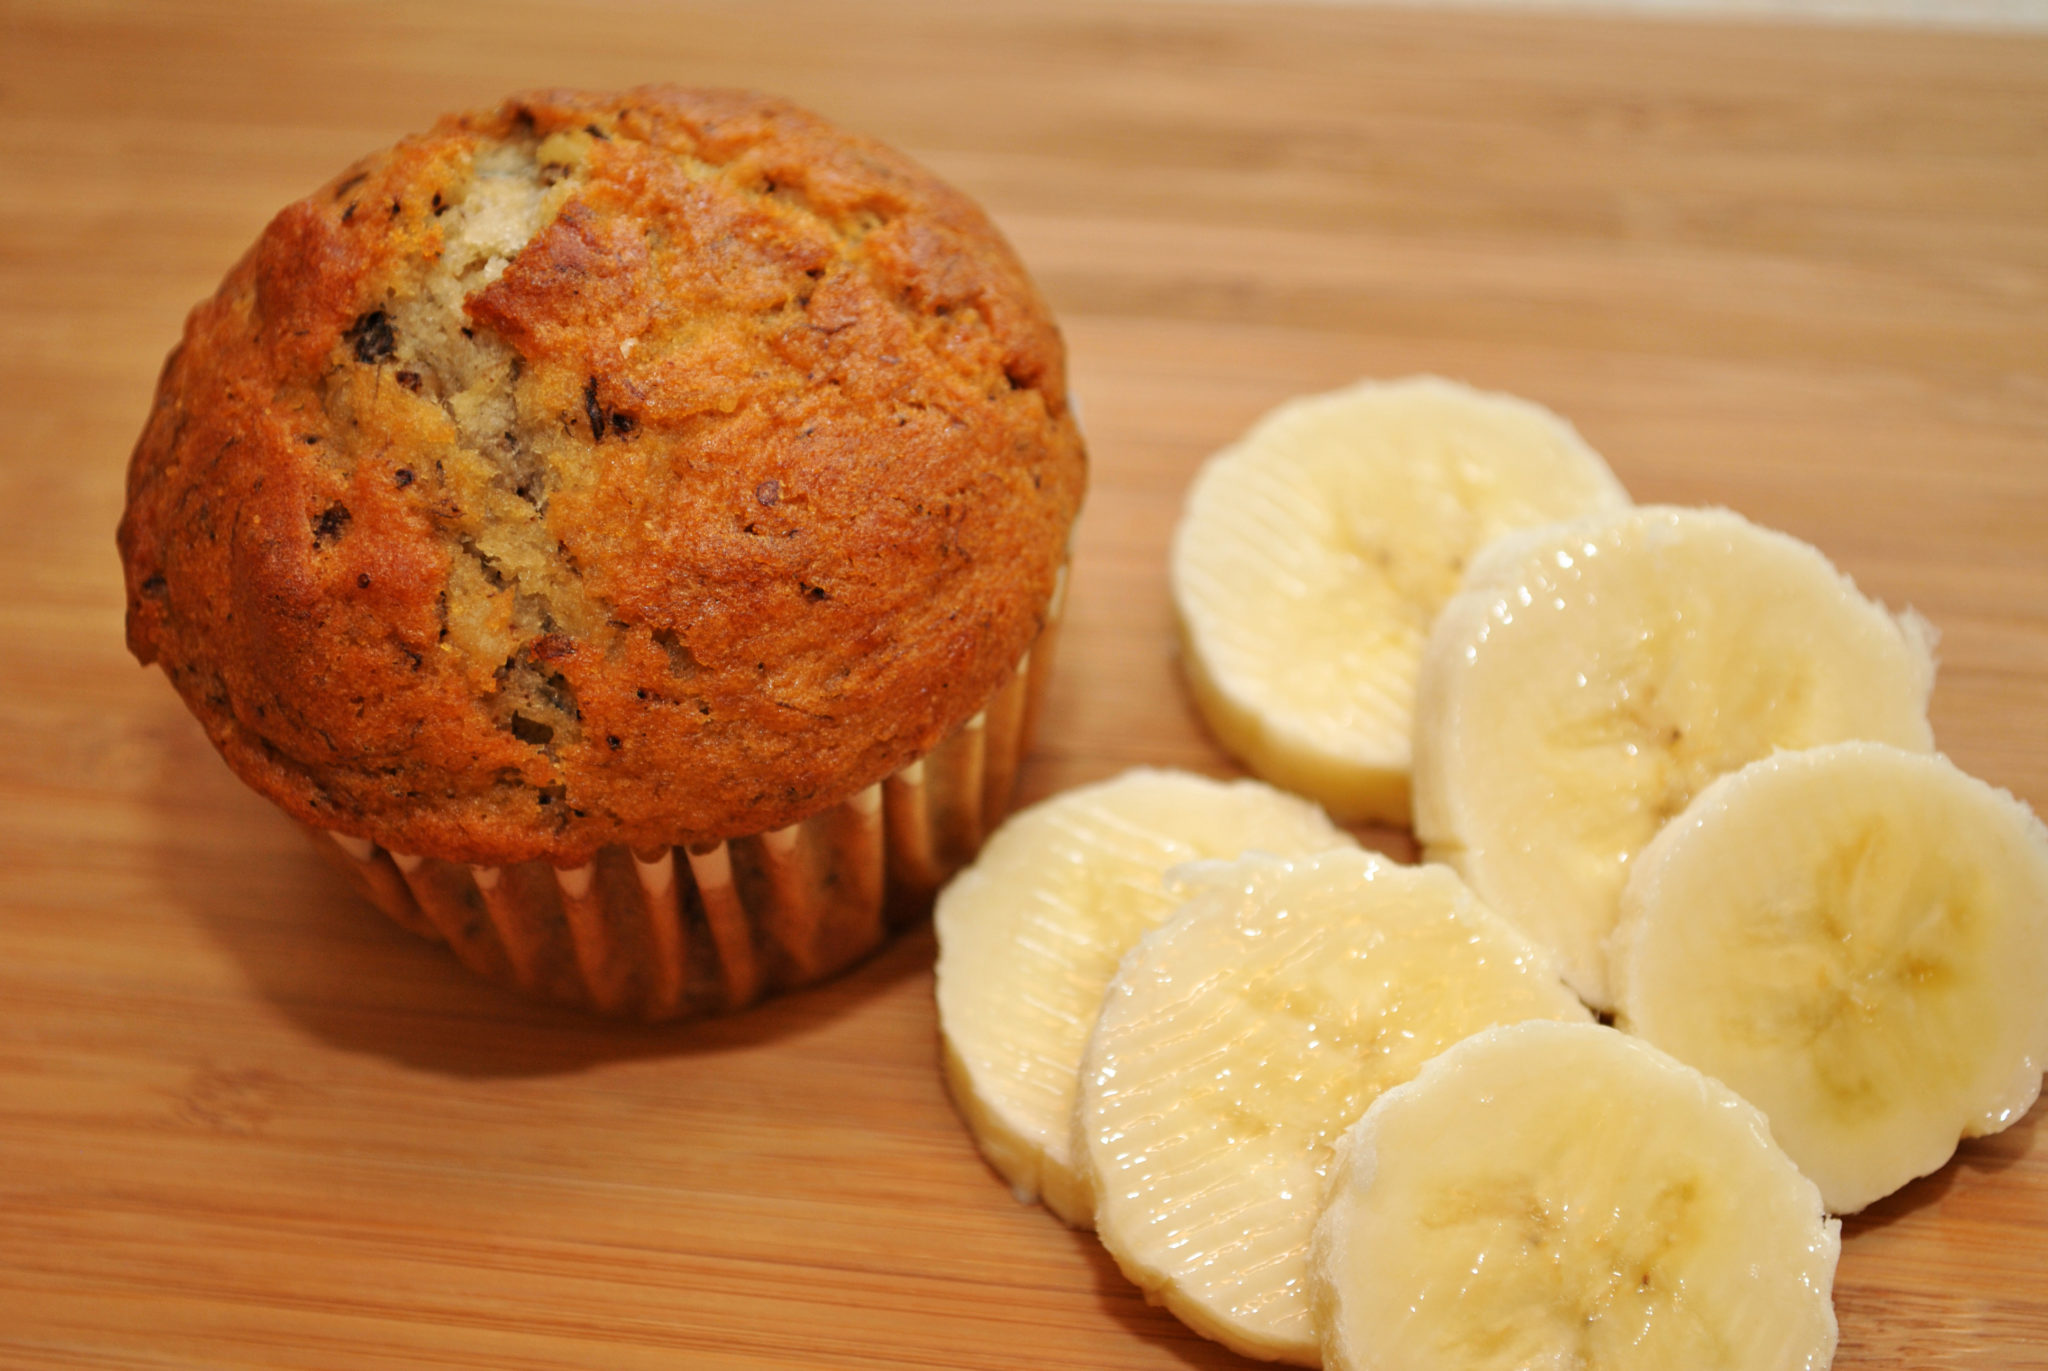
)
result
[(650, 469)]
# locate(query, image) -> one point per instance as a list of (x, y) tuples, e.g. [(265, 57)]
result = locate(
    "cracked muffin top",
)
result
[(649, 468)]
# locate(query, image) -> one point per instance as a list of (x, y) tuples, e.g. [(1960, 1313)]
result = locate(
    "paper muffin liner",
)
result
[(685, 931)]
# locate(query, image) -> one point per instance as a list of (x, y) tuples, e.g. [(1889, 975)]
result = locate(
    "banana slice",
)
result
[(1030, 934), (1559, 1195), (1856, 939), (1591, 677), (1313, 554), (1242, 1037)]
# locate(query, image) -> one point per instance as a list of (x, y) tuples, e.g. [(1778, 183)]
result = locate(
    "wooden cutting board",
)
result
[(243, 1122)]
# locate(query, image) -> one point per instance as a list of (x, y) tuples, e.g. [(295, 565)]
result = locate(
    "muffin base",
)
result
[(681, 932)]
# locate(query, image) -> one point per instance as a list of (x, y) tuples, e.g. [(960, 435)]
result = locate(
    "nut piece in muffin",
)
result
[(639, 469)]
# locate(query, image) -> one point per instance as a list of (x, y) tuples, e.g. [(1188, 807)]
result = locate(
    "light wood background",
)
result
[(244, 1122)]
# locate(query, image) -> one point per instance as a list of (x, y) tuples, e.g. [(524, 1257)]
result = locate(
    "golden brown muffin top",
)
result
[(647, 468)]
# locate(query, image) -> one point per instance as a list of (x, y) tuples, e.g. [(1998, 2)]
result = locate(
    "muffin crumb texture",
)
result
[(648, 469)]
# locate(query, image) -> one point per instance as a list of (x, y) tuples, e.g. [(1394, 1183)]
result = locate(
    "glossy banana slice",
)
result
[(1313, 554), (1242, 1037), (1855, 938), (1562, 1196), (1590, 678), (1030, 934)]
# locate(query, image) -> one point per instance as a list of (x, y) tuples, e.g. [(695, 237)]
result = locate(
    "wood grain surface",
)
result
[(244, 1122)]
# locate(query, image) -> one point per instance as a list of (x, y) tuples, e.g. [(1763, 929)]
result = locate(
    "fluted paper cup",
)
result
[(685, 931)]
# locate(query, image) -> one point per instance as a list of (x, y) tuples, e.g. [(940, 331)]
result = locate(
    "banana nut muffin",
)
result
[(640, 469)]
